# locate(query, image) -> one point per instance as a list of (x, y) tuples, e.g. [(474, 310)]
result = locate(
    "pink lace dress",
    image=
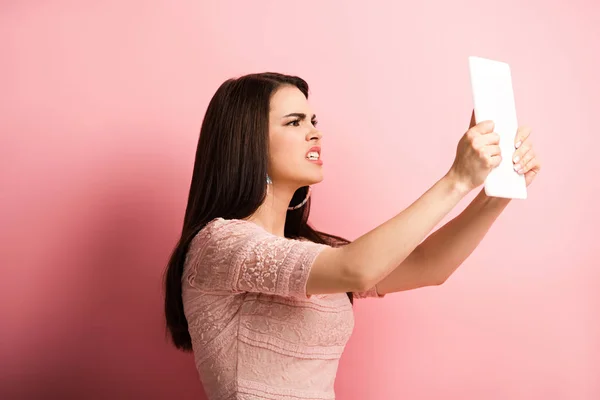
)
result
[(255, 332)]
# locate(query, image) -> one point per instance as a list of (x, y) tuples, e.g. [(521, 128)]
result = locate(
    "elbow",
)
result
[(357, 279), (360, 275), (439, 280), (365, 280), (364, 283)]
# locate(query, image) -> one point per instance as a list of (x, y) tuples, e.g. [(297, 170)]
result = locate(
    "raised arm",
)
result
[(363, 263), (436, 259), (237, 256)]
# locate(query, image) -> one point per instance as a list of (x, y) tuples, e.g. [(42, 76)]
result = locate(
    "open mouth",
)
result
[(313, 156)]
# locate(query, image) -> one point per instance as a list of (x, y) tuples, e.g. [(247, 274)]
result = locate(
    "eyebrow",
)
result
[(302, 116)]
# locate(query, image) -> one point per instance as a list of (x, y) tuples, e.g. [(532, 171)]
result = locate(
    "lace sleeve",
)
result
[(239, 256)]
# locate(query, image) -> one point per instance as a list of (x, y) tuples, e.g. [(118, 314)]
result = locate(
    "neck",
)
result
[(272, 213)]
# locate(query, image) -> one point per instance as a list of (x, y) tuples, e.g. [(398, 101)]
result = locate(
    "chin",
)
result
[(309, 180), (315, 180)]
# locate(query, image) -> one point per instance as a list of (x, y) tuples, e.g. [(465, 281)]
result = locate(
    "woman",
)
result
[(264, 300)]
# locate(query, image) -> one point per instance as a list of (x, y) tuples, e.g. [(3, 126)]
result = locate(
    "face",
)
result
[(295, 142)]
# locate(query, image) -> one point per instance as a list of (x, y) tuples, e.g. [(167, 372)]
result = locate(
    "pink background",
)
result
[(101, 108)]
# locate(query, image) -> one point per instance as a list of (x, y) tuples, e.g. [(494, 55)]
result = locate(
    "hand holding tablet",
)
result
[(493, 99)]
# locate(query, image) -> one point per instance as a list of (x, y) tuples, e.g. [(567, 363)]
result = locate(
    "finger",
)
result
[(487, 139), (484, 127), (522, 134), (522, 151), (492, 150), (494, 161), (529, 175), (524, 165), (490, 155)]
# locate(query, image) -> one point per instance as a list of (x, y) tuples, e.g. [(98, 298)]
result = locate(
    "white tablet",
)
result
[(493, 99)]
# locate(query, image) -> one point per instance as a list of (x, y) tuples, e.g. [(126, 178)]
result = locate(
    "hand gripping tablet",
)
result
[(493, 99)]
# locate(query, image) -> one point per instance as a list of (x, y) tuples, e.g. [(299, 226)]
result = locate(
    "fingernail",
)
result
[(517, 167), (518, 144), (520, 172), (517, 158)]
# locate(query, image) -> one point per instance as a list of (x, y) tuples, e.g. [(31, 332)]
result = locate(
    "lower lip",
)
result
[(318, 162)]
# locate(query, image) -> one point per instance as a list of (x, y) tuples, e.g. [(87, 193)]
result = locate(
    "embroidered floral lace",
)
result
[(255, 332)]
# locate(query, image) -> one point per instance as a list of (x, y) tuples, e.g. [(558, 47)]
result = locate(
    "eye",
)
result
[(295, 122), (315, 122)]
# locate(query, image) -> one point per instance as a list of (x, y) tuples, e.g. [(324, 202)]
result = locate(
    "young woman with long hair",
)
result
[(263, 299)]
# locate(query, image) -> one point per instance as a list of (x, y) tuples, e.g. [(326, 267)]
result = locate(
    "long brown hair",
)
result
[(229, 178)]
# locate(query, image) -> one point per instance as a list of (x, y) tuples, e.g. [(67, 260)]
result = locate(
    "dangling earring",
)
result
[(303, 201)]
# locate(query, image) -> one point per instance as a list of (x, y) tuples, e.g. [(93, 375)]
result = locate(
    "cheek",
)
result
[(286, 156), (285, 147)]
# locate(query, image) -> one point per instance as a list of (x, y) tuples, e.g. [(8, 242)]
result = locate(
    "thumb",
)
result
[(485, 127)]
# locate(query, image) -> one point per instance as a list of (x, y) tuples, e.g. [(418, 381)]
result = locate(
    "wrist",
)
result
[(456, 184), (493, 202)]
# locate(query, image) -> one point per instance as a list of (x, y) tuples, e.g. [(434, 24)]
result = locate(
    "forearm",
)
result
[(436, 258), (378, 252), (447, 248)]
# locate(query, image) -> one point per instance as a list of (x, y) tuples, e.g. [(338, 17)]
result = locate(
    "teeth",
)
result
[(313, 155)]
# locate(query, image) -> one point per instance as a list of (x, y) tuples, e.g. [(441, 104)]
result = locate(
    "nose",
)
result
[(314, 134)]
